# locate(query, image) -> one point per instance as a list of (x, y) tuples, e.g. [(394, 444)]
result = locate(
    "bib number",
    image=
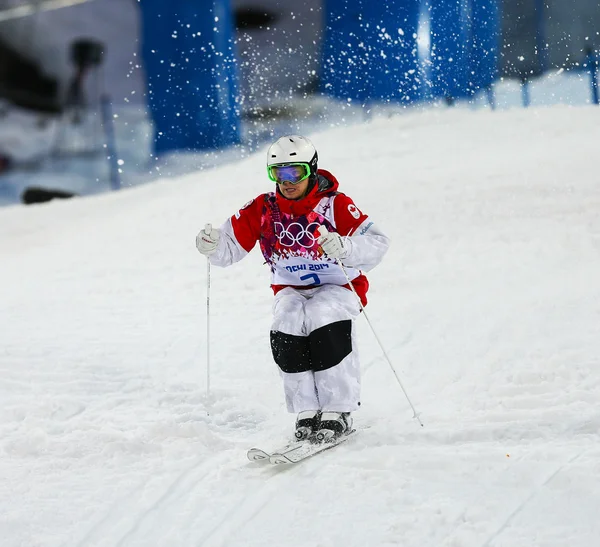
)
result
[(313, 276)]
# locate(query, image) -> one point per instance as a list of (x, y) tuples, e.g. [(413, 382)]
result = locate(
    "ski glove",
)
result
[(208, 240), (333, 244)]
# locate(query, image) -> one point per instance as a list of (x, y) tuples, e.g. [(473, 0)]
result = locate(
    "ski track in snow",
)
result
[(143, 524), (527, 500), (487, 304)]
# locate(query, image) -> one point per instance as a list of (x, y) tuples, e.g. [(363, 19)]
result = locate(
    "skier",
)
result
[(312, 236)]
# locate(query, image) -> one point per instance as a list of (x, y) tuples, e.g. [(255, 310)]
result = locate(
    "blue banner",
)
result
[(189, 59), (485, 45), (370, 50), (449, 51)]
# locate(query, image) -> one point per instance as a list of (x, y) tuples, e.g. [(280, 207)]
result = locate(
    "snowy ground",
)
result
[(488, 305)]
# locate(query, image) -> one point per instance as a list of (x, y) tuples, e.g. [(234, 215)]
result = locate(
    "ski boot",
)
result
[(333, 425), (307, 423)]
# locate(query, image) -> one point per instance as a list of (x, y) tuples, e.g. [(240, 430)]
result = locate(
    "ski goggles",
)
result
[(294, 173)]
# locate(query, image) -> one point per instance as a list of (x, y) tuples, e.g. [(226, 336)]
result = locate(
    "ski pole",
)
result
[(207, 229), (323, 231)]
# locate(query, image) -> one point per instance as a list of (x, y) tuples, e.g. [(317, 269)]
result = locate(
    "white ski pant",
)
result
[(314, 343)]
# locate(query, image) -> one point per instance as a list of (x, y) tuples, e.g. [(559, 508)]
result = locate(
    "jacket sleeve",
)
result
[(366, 242), (239, 234)]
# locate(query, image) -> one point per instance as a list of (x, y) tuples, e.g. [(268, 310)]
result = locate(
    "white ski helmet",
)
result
[(293, 149)]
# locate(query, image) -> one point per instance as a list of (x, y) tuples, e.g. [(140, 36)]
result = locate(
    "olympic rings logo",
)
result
[(296, 234)]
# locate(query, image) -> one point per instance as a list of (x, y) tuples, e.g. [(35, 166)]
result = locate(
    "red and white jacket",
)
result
[(287, 231)]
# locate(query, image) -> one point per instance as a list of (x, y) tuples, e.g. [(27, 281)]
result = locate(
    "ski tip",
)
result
[(257, 455), (279, 459)]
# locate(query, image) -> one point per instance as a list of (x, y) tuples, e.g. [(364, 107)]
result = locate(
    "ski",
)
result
[(308, 449), (259, 455), (296, 451)]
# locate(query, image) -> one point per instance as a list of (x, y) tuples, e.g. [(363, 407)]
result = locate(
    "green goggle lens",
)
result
[(294, 173)]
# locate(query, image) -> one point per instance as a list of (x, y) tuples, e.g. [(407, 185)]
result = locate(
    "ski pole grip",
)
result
[(322, 230), (208, 228)]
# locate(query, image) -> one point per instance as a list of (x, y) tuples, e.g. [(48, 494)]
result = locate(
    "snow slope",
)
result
[(488, 305)]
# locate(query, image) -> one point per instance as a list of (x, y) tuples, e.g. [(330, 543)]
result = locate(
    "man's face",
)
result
[(292, 178), (294, 191)]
